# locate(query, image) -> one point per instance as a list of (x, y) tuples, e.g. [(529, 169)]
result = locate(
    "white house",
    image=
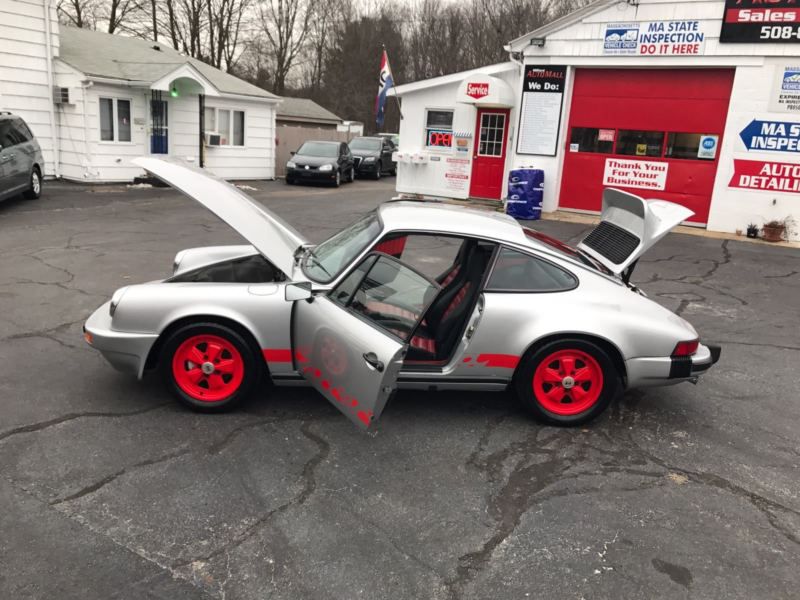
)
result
[(110, 98), (693, 101)]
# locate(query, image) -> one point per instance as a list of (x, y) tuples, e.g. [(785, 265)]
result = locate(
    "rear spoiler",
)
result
[(629, 226)]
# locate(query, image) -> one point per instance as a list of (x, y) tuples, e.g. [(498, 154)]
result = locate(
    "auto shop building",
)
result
[(692, 101)]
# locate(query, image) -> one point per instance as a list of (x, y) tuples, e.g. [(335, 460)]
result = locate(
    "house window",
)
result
[(439, 129), (115, 120), (229, 124)]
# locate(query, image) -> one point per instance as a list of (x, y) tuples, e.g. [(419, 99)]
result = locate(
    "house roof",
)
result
[(559, 24), (128, 59), (452, 78), (304, 109)]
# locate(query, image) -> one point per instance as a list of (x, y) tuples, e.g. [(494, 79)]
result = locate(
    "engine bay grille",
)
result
[(612, 242)]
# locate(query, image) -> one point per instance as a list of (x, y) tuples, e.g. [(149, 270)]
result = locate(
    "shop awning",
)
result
[(485, 90)]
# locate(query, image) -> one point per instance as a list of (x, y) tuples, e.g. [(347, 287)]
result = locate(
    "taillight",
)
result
[(686, 348)]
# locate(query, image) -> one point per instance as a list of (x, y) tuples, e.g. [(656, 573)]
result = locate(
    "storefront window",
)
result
[(439, 129), (591, 139), (639, 143), (687, 145)]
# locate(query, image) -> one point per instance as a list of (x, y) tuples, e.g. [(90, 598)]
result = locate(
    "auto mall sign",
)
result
[(477, 90)]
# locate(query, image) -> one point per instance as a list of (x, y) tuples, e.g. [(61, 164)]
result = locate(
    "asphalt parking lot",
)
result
[(110, 489)]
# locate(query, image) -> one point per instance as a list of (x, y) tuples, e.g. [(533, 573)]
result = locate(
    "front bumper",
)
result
[(366, 167), (310, 175), (127, 352), (656, 371)]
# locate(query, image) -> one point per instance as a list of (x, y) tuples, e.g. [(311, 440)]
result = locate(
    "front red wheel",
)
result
[(567, 382), (209, 367)]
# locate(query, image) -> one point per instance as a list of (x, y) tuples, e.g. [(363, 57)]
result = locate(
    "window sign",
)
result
[(439, 129), (540, 113), (786, 95), (644, 174), (439, 138), (759, 22), (605, 135), (708, 147)]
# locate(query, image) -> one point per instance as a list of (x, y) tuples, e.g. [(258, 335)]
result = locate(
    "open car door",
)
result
[(350, 343), (629, 226)]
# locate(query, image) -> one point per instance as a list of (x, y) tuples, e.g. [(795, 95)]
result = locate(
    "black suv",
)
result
[(373, 156), (21, 161)]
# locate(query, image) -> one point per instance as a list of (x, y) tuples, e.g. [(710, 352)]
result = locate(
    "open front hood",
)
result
[(629, 227), (272, 236)]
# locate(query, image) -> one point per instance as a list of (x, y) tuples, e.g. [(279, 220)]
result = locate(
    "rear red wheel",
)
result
[(210, 367), (567, 382)]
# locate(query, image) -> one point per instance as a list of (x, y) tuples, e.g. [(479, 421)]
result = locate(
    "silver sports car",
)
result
[(413, 295)]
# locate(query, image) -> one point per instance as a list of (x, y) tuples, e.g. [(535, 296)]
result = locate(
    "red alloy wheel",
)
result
[(568, 382), (208, 368)]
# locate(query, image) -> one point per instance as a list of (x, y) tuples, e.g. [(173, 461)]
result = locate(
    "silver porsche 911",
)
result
[(413, 295)]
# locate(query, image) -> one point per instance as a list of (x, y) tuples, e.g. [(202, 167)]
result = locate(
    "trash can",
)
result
[(525, 193)]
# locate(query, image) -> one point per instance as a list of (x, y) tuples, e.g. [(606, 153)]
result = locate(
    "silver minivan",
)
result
[(21, 161)]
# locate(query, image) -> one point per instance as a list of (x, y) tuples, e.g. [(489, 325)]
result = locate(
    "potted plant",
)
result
[(775, 230), (752, 230)]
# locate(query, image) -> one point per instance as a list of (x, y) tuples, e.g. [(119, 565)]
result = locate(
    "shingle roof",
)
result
[(304, 109), (132, 59)]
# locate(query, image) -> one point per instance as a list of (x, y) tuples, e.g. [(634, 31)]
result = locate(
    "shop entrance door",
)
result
[(652, 132), (489, 153)]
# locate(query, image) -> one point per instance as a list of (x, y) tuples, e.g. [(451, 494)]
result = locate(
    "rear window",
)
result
[(518, 272), (564, 250)]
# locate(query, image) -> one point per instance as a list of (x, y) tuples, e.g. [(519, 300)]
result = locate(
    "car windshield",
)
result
[(325, 149), (365, 144), (565, 250), (324, 262)]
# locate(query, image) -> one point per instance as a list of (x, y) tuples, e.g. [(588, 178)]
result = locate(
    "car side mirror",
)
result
[(298, 291), (292, 152)]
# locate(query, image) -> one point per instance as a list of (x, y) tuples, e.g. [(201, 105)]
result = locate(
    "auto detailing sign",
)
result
[(765, 175), (644, 174), (655, 38), (477, 90), (771, 136), (760, 21)]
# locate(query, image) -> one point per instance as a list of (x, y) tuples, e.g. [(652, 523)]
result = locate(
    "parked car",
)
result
[(373, 156), (513, 308), (327, 162), (392, 137), (21, 160)]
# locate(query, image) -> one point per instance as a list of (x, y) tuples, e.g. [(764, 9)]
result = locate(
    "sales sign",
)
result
[(540, 112), (771, 136), (655, 38), (765, 175), (645, 174), (760, 21)]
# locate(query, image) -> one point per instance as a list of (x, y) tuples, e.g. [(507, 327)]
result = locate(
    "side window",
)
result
[(9, 136), (23, 133), (386, 293), (687, 145), (518, 272), (431, 255)]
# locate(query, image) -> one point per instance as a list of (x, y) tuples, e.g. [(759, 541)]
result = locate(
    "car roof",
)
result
[(449, 218), (322, 142), (367, 137)]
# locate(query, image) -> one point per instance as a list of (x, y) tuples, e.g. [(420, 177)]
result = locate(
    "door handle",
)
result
[(372, 360)]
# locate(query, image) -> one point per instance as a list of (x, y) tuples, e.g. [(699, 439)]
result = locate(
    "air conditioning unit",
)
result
[(61, 95), (213, 139)]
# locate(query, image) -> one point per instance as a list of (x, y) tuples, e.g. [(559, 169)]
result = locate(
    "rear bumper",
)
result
[(656, 371), (127, 352)]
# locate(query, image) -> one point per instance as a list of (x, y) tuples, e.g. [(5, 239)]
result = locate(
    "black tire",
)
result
[(34, 191), (253, 366), (351, 176), (393, 172), (338, 181), (556, 412), (378, 173), (289, 181)]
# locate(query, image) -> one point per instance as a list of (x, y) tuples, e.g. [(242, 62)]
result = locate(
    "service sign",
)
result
[(645, 174), (655, 38), (766, 176), (477, 90), (760, 22), (786, 97)]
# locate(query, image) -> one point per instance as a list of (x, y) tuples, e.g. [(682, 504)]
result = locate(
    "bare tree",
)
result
[(120, 11), (224, 18), (79, 13), (285, 25)]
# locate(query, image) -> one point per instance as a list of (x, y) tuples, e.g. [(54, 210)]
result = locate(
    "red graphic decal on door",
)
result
[(277, 355), (504, 361)]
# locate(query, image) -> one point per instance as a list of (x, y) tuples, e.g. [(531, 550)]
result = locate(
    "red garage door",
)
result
[(655, 133)]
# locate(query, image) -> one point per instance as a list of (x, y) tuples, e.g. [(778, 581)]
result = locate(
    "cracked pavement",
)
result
[(109, 489)]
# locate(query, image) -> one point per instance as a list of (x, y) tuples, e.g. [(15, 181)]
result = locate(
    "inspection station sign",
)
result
[(771, 136), (787, 89), (760, 22), (644, 174), (655, 38), (766, 175)]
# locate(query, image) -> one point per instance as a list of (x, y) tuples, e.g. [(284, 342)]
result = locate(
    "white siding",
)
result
[(23, 68)]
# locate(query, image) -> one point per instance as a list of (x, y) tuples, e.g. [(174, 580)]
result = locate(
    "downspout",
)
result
[(85, 85), (54, 133)]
